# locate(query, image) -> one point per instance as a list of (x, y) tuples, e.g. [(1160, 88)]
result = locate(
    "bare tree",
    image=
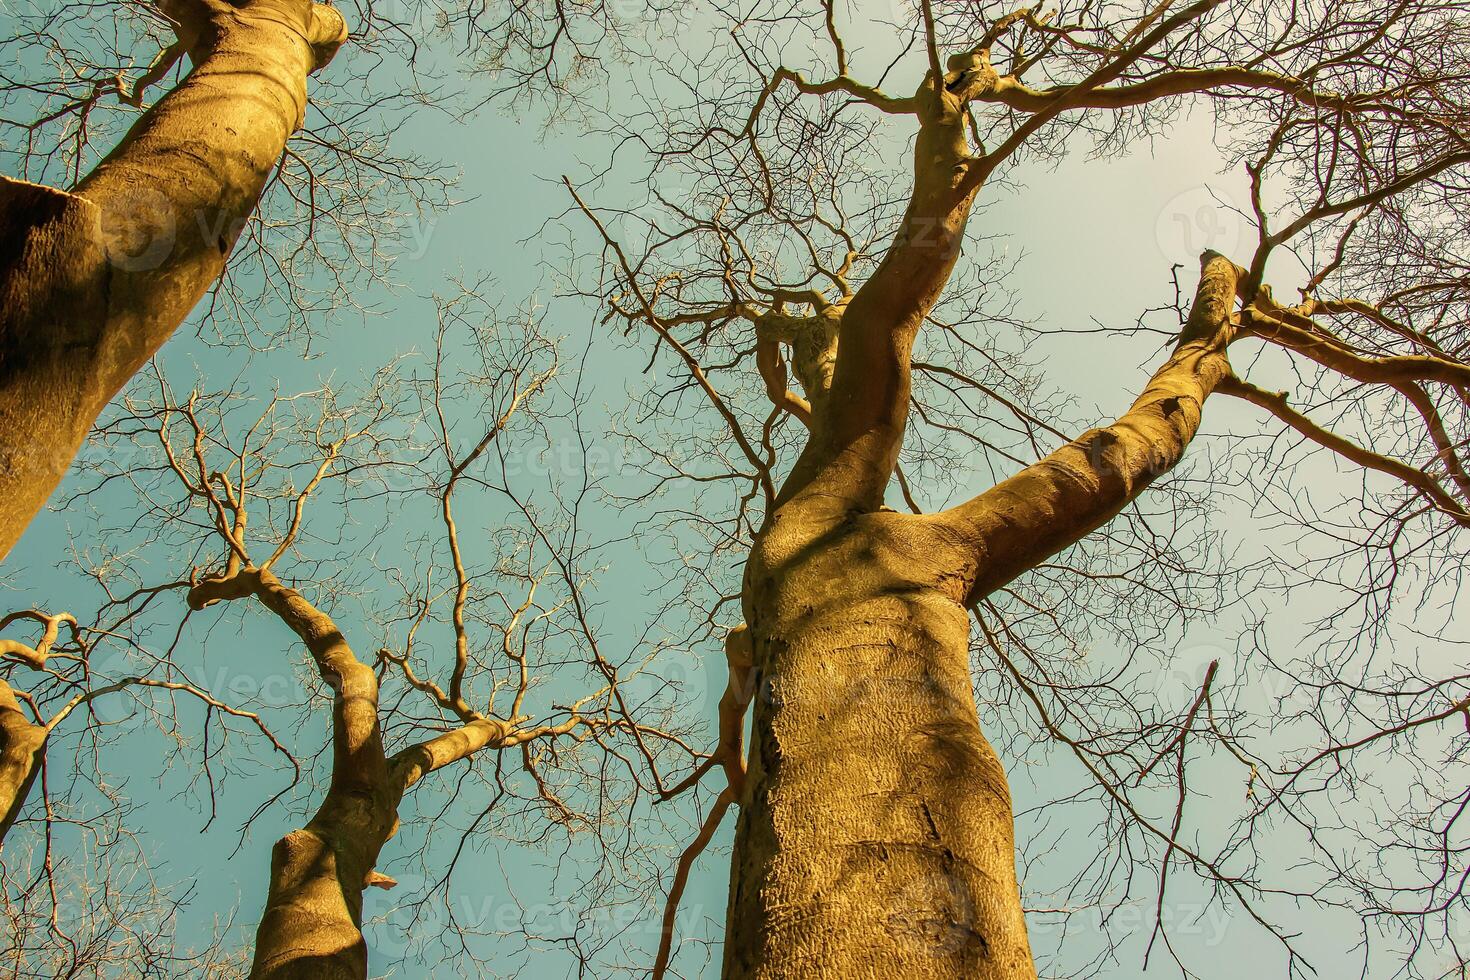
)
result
[(87, 299), (115, 920), (239, 495), (77, 895), (837, 336), (63, 683), (123, 215)]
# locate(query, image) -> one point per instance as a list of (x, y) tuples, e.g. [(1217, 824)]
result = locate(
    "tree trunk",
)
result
[(92, 282), (876, 834), (312, 925), (21, 745)]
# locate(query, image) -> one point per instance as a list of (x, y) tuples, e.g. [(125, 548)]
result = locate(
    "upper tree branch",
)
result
[(1276, 404), (1056, 501), (857, 432), (358, 762)]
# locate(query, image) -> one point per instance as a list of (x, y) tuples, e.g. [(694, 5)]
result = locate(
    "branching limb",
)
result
[(730, 754), (1276, 404), (35, 656), (22, 748), (161, 65), (1056, 501)]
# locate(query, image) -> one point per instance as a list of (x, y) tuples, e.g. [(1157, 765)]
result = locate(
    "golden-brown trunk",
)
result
[(93, 281), (312, 925), (876, 835), (21, 746)]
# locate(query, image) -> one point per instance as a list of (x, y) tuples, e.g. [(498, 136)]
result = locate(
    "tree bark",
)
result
[(311, 928), (93, 281), (859, 426), (21, 746), (876, 833), (312, 925), (1062, 498)]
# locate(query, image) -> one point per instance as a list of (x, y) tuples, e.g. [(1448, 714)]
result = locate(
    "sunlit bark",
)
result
[(95, 279)]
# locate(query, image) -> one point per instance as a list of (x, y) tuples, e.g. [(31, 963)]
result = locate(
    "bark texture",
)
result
[(1060, 499), (93, 281), (23, 741), (312, 925), (876, 834), (875, 837)]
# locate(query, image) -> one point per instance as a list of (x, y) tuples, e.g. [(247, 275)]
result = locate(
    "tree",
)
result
[(77, 894), (246, 491), (97, 278), (231, 179), (231, 184), (102, 915), (67, 682), (876, 829)]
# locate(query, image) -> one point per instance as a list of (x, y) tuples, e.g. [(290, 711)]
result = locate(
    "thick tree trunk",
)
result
[(876, 834), (92, 282), (312, 925), (21, 745)]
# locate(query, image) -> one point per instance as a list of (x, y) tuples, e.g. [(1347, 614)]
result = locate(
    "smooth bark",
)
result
[(312, 924), (93, 281), (1060, 499), (23, 741), (311, 928)]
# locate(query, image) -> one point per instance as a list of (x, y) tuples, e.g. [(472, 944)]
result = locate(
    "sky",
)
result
[(1097, 240)]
